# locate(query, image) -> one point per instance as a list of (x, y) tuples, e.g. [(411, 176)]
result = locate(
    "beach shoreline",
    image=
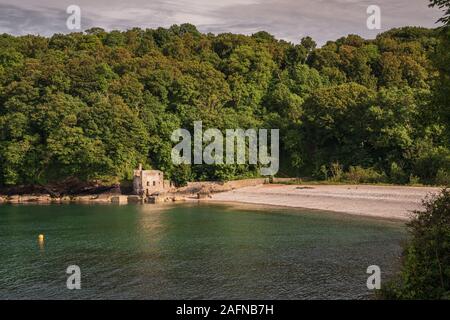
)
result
[(379, 201), (390, 202)]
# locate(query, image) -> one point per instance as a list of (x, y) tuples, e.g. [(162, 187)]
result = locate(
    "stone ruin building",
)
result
[(149, 182)]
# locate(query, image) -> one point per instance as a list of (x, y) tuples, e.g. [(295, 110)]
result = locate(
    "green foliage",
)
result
[(92, 105), (442, 86), (443, 177), (355, 174), (425, 272), (397, 174), (359, 174), (445, 6), (336, 172)]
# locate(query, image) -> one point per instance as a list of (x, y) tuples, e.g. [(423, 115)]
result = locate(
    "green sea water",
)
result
[(192, 251)]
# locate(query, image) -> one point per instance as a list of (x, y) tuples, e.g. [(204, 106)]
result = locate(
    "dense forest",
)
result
[(93, 105)]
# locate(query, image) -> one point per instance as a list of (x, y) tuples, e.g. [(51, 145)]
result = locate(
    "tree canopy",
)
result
[(93, 105)]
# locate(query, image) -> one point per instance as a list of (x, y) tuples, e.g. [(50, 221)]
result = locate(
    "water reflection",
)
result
[(191, 251)]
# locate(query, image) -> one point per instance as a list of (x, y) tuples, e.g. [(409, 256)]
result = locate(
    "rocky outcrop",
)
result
[(14, 199), (203, 195), (194, 188), (111, 194), (68, 187)]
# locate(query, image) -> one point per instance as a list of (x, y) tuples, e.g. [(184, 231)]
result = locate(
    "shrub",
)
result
[(322, 173), (397, 175), (443, 177), (425, 272), (361, 175), (336, 172), (414, 180), (181, 175), (434, 166)]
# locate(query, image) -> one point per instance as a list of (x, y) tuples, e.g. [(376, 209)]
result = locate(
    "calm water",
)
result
[(191, 251)]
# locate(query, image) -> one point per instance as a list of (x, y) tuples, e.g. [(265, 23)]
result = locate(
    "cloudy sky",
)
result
[(287, 19)]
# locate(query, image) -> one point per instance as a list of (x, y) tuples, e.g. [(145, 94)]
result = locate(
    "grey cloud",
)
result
[(21, 20), (324, 20), (287, 19)]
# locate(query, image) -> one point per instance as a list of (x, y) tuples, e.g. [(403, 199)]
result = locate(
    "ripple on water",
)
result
[(192, 251)]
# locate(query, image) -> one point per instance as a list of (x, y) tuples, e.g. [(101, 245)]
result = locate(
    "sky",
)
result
[(291, 20)]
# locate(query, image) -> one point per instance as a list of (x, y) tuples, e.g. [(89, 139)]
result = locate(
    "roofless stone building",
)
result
[(148, 182)]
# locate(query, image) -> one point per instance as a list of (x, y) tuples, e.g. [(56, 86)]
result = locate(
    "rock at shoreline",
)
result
[(203, 195), (119, 199), (134, 199)]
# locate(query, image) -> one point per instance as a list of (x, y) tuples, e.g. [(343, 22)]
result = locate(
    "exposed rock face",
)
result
[(49, 199), (155, 199), (63, 188), (134, 199), (119, 199), (13, 199), (213, 187), (94, 193), (203, 195), (33, 198)]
